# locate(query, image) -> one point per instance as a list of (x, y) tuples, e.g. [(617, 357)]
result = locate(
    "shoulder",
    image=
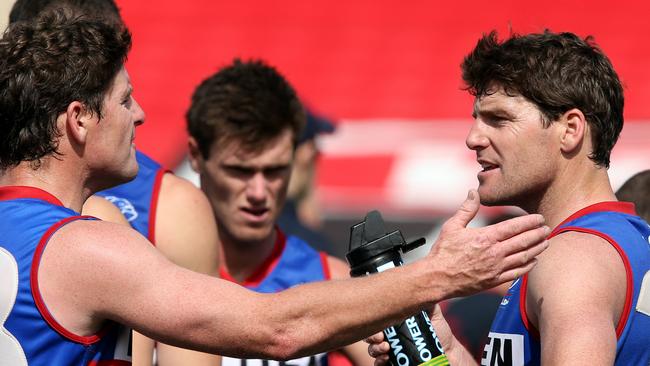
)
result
[(186, 231), (577, 271), (180, 201), (101, 208), (337, 267), (100, 250), (90, 236)]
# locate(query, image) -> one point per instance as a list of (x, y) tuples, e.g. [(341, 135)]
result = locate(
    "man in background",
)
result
[(244, 124), (301, 214), (637, 190)]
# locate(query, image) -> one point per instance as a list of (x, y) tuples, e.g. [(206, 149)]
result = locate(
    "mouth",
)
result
[(487, 166), (255, 213)]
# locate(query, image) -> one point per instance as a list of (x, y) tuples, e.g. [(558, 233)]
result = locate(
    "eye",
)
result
[(275, 171), (495, 120), (127, 102), (239, 171)]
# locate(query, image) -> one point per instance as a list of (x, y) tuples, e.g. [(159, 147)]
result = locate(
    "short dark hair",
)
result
[(557, 72), (246, 100), (637, 191), (46, 64), (27, 10)]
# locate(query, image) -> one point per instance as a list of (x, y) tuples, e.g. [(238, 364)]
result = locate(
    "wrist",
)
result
[(431, 283)]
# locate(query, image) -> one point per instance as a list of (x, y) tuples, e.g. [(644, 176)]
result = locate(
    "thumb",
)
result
[(466, 212)]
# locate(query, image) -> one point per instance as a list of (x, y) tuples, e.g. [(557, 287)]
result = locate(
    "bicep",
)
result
[(126, 280), (576, 296)]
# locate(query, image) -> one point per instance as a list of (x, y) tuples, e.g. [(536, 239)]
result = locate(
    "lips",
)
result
[(487, 165), (255, 214)]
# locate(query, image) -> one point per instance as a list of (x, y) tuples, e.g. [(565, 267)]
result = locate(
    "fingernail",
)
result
[(470, 195)]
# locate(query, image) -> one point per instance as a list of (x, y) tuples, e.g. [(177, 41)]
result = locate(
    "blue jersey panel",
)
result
[(137, 198), (513, 342), (298, 263), (30, 217)]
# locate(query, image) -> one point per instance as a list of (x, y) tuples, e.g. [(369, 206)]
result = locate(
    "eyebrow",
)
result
[(493, 112), (127, 93)]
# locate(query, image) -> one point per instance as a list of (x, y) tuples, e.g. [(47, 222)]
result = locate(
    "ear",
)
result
[(196, 158), (77, 122), (574, 127)]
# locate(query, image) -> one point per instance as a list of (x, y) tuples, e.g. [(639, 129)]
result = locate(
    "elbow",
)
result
[(284, 347), (288, 344)]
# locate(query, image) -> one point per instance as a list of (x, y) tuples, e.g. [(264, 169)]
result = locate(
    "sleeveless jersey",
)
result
[(29, 334), (291, 263), (138, 198), (514, 341)]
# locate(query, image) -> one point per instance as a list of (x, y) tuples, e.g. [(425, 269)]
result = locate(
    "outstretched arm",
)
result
[(139, 287), (356, 353)]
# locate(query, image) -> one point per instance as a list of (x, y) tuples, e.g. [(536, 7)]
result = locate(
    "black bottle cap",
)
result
[(369, 239)]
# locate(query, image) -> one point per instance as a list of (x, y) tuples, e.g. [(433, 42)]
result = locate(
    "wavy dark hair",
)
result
[(27, 10), (637, 190), (246, 100), (557, 72), (45, 64)]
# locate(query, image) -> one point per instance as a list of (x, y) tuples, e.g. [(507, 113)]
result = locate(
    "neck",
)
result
[(243, 259), (51, 177), (573, 190)]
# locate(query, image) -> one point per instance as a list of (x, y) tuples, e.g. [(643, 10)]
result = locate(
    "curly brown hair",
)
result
[(557, 72), (247, 100), (45, 64)]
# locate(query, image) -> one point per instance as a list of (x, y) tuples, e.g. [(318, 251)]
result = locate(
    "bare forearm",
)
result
[(323, 316), (311, 318)]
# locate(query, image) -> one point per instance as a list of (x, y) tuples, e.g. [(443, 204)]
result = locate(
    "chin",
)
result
[(491, 199), (253, 234)]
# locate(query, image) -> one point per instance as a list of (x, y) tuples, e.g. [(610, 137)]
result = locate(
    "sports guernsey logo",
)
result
[(127, 208), (506, 299), (503, 349)]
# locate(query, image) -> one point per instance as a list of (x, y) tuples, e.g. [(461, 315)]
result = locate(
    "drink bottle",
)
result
[(412, 342)]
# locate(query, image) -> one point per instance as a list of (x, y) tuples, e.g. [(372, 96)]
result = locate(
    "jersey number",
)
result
[(11, 353)]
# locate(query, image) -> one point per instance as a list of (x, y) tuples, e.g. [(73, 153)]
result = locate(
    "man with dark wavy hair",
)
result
[(169, 211), (244, 124), (548, 110), (62, 84), (67, 121)]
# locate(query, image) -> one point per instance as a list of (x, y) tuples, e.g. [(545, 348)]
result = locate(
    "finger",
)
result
[(378, 349), (466, 212), (375, 338), (509, 228), (382, 360), (523, 242), (512, 274), (525, 256)]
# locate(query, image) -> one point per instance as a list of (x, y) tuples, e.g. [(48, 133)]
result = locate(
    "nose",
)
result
[(256, 188), (476, 138), (138, 114)]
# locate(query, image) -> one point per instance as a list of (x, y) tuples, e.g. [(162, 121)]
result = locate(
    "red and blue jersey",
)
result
[(514, 341), (138, 198), (30, 335), (292, 262)]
